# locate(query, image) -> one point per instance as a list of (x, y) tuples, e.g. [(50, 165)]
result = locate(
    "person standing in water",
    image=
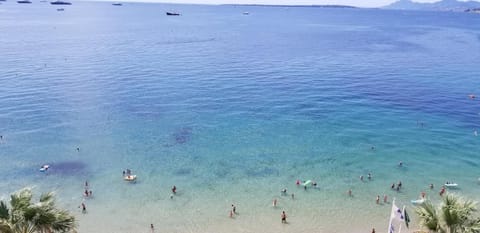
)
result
[(174, 189), (284, 217), (84, 208), (274, 202), (152, 229)]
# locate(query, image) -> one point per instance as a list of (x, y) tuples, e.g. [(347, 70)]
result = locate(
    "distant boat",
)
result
[(60, 9), (24, 2), (3, 0), (117, 4), (60, 3), (246, 13), (172, 13)]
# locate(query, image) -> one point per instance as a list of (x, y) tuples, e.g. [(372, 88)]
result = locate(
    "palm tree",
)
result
[(23, 216), (454, 215)]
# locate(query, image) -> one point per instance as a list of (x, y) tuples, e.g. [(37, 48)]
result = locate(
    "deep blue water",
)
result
[(232, 108)]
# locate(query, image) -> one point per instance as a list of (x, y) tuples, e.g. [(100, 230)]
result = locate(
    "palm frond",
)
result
[(21, 199), (428, 216), (5, 227), (4, 212)]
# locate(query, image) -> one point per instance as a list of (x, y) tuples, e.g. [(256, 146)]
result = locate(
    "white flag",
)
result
[(397, 213)]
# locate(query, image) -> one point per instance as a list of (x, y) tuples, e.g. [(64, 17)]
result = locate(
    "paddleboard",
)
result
[(307, 183)]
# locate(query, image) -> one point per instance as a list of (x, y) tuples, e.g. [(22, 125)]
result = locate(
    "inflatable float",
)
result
[(418, 202), (307, 182)]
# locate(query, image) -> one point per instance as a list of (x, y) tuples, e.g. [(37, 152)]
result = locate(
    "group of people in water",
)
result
[(86, 194)]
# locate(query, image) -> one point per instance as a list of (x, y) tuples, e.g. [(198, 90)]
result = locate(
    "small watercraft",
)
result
[(130, 177), (451, 185), (44, 168), (172, 13), (246, 13), (24, 2), (117, 4), (60, 9)]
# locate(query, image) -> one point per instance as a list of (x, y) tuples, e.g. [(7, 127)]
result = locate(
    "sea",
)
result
[(232, 108)]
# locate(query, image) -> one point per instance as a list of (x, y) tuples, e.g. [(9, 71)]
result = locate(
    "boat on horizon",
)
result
[(117, 4), (172, 13), (246, 13), (58, 2), (60, 9), (24, 2)]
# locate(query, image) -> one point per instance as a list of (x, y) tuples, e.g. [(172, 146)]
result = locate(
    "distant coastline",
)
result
[(313, 6)]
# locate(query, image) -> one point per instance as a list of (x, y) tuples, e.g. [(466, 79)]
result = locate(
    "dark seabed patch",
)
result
[(68, 168), (182, 135), (183, 171)]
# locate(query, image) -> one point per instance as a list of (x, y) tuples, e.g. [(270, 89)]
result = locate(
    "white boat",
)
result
[(451, 185), (130, 178), (44, 168)]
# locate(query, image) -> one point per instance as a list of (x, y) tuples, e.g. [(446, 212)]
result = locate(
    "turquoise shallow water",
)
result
[(232, 108)]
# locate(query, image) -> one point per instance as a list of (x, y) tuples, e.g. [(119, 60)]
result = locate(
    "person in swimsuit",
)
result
[(284, 217)]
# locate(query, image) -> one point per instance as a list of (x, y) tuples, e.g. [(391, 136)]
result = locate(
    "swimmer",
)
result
[(86, 184), (78, 149), (422, 194), (123, 173), (231, 214), (90, 193), (475, 133), (274, 202), (151, 227), (85, 193), (1, 137), (373, 230), (361, 177), (369, 176), (174, 189), (442, 191), (297, 182), (372, 148), (284, 191), (305, 187), (393, 186), (378, 199), (284, 217), (234, 208), (431, 186), (293, 196), (385, 198), (399, 184), (471, 96), (314, 184), (349, 192), (400, 164)]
